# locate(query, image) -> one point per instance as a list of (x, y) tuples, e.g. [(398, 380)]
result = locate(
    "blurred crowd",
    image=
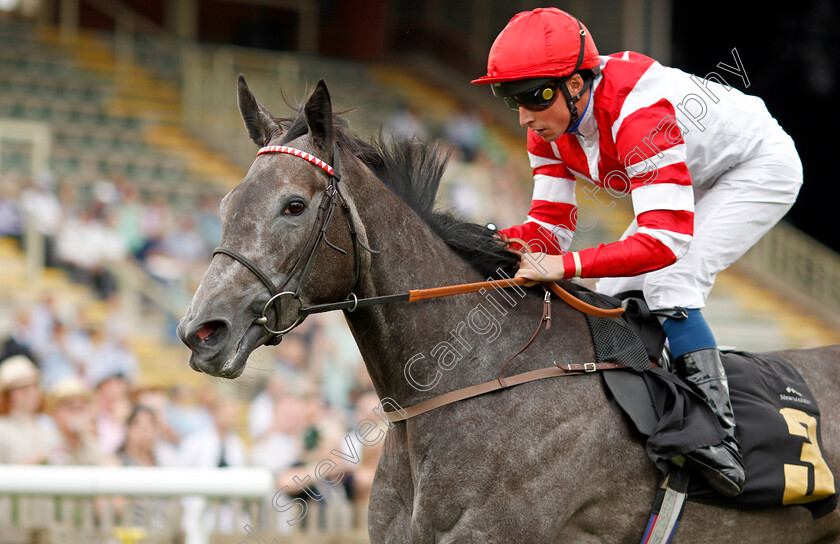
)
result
[(306, 397), (481, 183), (87, 226), (72, 391)]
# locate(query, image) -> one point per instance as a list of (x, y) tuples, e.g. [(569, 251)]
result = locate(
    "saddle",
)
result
[(777, 417)]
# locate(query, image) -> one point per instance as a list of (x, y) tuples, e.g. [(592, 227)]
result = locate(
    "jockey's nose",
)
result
[(525, 116)]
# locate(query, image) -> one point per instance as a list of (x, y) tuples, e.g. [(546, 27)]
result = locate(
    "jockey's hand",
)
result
[(541, 267)]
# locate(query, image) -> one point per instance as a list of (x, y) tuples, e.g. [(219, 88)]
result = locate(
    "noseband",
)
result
[(332, 197)]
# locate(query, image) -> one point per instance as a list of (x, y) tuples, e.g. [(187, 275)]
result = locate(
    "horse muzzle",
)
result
[(211, 343)]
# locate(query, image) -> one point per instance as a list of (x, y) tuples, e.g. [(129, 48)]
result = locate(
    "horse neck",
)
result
[(412, 256)]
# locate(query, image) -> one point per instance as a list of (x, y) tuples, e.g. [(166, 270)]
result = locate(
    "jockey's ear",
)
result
[(261, 125), (318, 112), (574, 84)]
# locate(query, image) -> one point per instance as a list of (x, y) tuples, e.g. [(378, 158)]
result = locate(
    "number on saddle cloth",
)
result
[(778, 420), (778, 427)]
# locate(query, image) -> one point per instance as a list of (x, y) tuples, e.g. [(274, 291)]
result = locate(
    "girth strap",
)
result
[(558, 371)]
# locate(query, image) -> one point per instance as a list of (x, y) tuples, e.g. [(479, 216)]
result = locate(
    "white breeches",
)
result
[(729, 218)]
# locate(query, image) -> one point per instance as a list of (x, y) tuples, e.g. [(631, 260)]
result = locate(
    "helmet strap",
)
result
[(571, 101)]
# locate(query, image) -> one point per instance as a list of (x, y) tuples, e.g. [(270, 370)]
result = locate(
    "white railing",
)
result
[(155, 505), (77, 481)]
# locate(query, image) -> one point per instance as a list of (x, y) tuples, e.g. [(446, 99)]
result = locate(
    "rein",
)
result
[(415, 295), (332, 196)]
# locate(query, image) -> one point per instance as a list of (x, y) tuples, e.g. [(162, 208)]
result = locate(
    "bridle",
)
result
[(301, 268), (326, 211)]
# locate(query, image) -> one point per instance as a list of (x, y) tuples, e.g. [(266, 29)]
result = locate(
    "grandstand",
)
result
[(159, 117)]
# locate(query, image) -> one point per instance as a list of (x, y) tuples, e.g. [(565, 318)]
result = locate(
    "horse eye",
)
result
[(295, 207)]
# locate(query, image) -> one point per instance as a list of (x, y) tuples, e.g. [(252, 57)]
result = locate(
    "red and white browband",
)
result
[(298, 153)]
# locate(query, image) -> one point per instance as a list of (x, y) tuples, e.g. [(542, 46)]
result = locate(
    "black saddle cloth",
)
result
[(777, 417)]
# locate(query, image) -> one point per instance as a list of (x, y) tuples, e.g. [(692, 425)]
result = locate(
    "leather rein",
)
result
[(332, 198)]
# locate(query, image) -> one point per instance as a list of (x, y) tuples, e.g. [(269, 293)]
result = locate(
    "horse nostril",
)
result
[(208, 329), (209, 334)]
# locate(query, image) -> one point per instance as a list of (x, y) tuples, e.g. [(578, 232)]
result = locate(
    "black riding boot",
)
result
[(721, 464)]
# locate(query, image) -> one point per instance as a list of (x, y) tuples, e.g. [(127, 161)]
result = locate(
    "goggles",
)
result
[(537, 98)]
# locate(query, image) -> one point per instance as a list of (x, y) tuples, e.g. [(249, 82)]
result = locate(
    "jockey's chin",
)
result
[(548, 134)]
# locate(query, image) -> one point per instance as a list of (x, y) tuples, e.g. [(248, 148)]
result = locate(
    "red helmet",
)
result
[(546, 42)]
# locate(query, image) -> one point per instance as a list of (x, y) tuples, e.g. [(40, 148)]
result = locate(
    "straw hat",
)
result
[(69, 388), (18, 371)]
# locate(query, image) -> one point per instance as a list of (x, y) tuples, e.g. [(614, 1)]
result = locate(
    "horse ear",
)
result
[(258, 120), (318, 112)]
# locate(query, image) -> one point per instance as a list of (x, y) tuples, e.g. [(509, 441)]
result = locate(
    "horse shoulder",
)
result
[(539, 460), (392, 495)]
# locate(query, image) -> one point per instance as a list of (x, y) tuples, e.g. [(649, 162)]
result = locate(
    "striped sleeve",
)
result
[(550, 224), (649, 144)]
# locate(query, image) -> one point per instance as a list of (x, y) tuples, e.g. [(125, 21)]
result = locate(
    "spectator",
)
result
[(19, 341), (140, 450), (287, 375), (156, 218), (261, 411), (110, 357), (112, 407), (129, 221), (11, 219), (141, 437), (87, 243), (335, 359), (281, 446), (42, 318), (157, 400), (56, 364), (27, 436), (362, 480), (466, 131), (187, 417), (39, 202), (405, 124), (218, 447), (70, 405), (183, 242), (209, 222)]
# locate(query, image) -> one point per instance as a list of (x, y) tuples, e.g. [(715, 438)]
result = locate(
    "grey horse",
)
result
[(550, 461)]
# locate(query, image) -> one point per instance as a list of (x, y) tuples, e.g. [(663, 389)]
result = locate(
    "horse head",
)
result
[(281, 247)]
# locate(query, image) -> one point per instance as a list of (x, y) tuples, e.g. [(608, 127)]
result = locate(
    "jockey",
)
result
[(708, 171)]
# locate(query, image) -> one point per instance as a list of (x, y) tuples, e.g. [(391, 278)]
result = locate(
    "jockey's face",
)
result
[(552, 122)]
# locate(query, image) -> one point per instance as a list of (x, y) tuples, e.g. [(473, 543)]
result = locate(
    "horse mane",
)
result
[(412, 170)]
